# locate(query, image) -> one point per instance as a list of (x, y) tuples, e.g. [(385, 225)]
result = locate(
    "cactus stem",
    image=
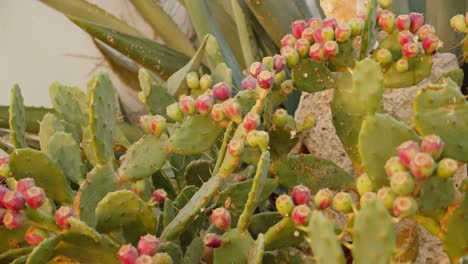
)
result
[(222, 150)]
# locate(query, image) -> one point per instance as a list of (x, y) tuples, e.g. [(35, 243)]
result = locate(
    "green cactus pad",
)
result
[(87, 146), (188, 213), (379, 138), (392, 43), (374, 237), (41, 219), (17, 118), (283, 234), (436, 193), (257, 250), (49, 125), (454, 236), (234, 249), (20, 260), (311, 76), (346, 56), (442, 110), (323, 241), (365, 86), (198, 172), (12, 238), (162, 181), (29, 163), (124, 209), (292, 255), (419, 68), (102, 117), (281, 143), (179, 163), (153, 94), (70, 103), (184, 196), (99, 181), (247, 99), (194, 251), (195, 135), (77, 226), (45, 251), (261, 222), (369, 32), (456, 75), (12, 254), (64, 150), (144, 158), (311, 171), (168, 212), (172, 249)]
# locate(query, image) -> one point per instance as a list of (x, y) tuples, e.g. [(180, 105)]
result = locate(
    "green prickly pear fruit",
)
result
[(357, 25), (148, 245), (158, 197), (384, 57), (4, 167), (34, 236), (300, 194), (342, 32), (24, 184), (323, 198), (297, 27), (162, 258), (385, 4), (193, 81), (62, 215), (256, 138), (402, 65), (433, 145), (307, 123), (417, 20), (402, 183), (256, 68), (153, 124), (288, 41), (268, 62), (204, 103), (402, 22), (144, 259), (343, 202), (366, 198), (407, 150), (291, 55), (138, 187), (328, 34), (280, 117), (300, 214), (364, 184), (458, 23), (278, 63), (236, 147), (316, 52), (265, 79), (302, 47), (387, 21), (386, 196), (187, 105), (13, 220), (221, 218), (249, 83), (410, 50), (405, 206), (284, 204), (173, 112), (128, 254), (205, 82), (446, 168), (287, 87), (251, 121), (35, 197), (422, 165), (232, 109), (212, 240), (13, 200)]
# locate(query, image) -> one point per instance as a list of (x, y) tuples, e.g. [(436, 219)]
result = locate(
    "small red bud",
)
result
[(300, 194), (405, 36), (159, 196), (62, 215), (236, 147), (308, 34), (24, 184), (402, 183), (13, 201), (34, 236), (422, 165), (3, 191), (402, 22), (330, 22), (394, 165), (430, 44), (406, 151), (221, 218), (4, 167), (232, 109), (251, 121), (13, 220), (300, 214), (330, 48), (387, 21), (128, 254), (297, 27), (425, 31), (417, 20), (249, 83), (291, 55), (318, 36), (433, 145), (323, 199), (404, 206), (35, 197), (3, 212), (315, 23), (148, 245), (265, 79), (212, 240), (288, 41), (302, 47), (342, 32), (187, 105), (204, 103), (328, 33), (217, 113), (316, 52), (446, 168), (222, 91), (284, 205), (278, 63), (145, 259)]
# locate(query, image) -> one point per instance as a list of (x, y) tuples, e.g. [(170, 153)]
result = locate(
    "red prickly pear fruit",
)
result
[(212, 240), (4, 167), (402, 183), (173, 112), (232, 109), (459, 24), (288, 41), (394, 165), (402, 65), (384, 57), (249, 83), (222, 91), (148, 245), (386, 196), (343, 202), (256, 68), (433, 145), (308, 34), (35, 197), (128, 254), (217, 113), (402, 22), (145, 259), (291, 55), (302, 47), (3, 191), (430, 44), (328, 33), (425, 31), (62, 215), (256, 138), (3, 212), (404, 206), (157, 125), (284, 205), (300, 214), (417, 20), (34, 236), (387, 21), (278, 63), (330, 48), (13, 201), (330, 22), (24, 184), (410, 50), (158, 196), (192, 80), (406, 151), (187, 105), (268, 62), (366, 198), (364, 184), (297, 27), (221, 218), (300, 194), (13, 220), (205, 82), (204, 103), (236, 147), (280, 117), (422, 165), (316, 52), (342, 32), (251, 121), (315, 23), (446, 168), (318, 38), (162, 258), (357, 25), (323, 199), (405, 36), (265, 79)]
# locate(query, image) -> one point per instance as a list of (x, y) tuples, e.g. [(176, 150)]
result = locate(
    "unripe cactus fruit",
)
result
[(300, 214), (268, 62), (314, 23), (278, 63), (291, 55), (357, 25), (328, 33), (13, 220), (232, 109), (387, 21), (34, 236), (3, 191), (385, 4), (447, 167), (297, 27), (404, 206), (288, 41), (251, 121), (138, 187), (343, 202), (35, 197), (384, 57), (417, 20), (249, 83), (62, 215), (394, 165), (153, 124), (287, 87), (422, 165), (148, 245), (13, 201), (3, 212), (425, 31), (330, 48), (221, 218), (192, 80), (204, 103), (459, 24), (217, 113), (187, 105), (158, 196), (402, 183), (308, 34), (402, 22), (323, 198), (316, 52), (280, 117), (406, 151), (405, 36), (300, 194), (430, 43), (236, 147), (212, 240), (386, 196), (280, 77), (173, 112), (145, 259), (402, 65), (366, 198), (342, 32), (433, 145), (256, 68), (222, 91), (128, 254), (364, 184), (284, 204), (410, 50), (318, 37), (256, 138), (265, 79), (162, 258), (4, 167), (205, 82), (330, 22), (24, 184), (302, 47)]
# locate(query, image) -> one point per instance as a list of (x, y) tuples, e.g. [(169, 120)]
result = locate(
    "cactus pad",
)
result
[(15, 253), (454, 233), (12, 238), (184, 196), (419, 68), (436, 193), (70, 103), (311, 76), (45, 251), (261, 222), (153, 94), (234, 249), (194, 252), (172, 249), (379, 137), (374, 238), (257, 250), (283, 234), (29, 163), (49, 125), (198, 172), (311, 171), (17, 118), (281, 143), (346, 57), (87, 146), (456, 75), (41, 219)]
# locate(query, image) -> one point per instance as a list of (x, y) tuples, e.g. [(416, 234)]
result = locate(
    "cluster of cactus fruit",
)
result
[(210, 177)]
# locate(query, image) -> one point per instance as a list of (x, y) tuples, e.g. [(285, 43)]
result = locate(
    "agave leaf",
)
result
[(33, 114), (245, 33)]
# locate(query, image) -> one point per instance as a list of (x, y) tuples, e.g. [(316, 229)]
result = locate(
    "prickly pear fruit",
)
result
[(4, 167), (205, 82), (402, 22), (394, 165), (318, 37), (153, 124), (402, 65), (323, 198), (256, 138), (330, 48), (425, 31), (204, 103), (3, 212), (34, 236), (24, 184), (308, 34), (162, 258), (384, 57), (404, 206), (459, 24), (300, 214), (343, 202), (268, 62), (212, 240), (3, 191), (314, 23), (364, 184), (402, 183), (417, 20), (302, 47), (173, 112), (330, 22), (265, 79), (387, 21), (357, 25), (366, 198), (284, 204), (232, 109), (278, 63), (256, 68), (280, 77), (287, 41), (144, 259), (192, 80), (291, 55), (222, 91), (13, 220), (406, 151), (433, 145), (422, 165), (128, 254), (148, 245), (386, 196), (410, 50), (217, 113), (385, 4), (251, 121), (158, 196), (62, 215), (297, 27), (280, 117), (221, 218), (316, 52), (300, 194), (447, 168), (187, 105), (342, 32), (13, 201), (236, 147), (430, 44), (35, 197), (328, 34), (249, 83)]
